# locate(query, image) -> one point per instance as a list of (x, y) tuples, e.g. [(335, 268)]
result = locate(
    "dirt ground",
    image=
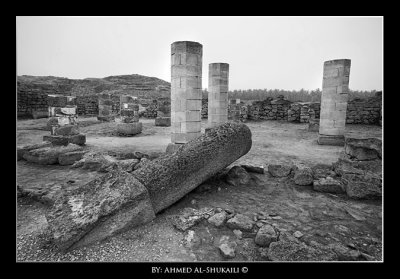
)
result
[(324, 218)]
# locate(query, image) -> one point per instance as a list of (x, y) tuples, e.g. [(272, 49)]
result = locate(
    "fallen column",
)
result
[(119, 201), (335, 91)]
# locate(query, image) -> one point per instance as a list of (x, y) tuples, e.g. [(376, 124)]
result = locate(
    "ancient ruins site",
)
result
[(130, 168)]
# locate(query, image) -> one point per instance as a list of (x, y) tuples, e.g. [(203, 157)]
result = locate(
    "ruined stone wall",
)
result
[(364, 111), (31, 101)]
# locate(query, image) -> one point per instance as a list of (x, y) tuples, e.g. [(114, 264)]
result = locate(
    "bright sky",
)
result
[(263, 52)]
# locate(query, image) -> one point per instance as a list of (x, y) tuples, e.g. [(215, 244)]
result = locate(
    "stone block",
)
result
[(70, 157), (337, 140), (129, 128), (67, 130), (164, 122), (79, 139)]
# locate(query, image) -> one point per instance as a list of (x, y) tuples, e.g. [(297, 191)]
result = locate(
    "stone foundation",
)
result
[(79, 139), (331, 140), (129, 129)]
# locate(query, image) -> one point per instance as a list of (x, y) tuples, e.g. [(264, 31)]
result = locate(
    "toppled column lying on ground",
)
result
[(119, 201), (63, 121)]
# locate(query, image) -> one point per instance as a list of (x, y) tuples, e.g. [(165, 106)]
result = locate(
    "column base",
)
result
[(163, 121), (331, 140), (173, 147), (129, 129), (106, 118)]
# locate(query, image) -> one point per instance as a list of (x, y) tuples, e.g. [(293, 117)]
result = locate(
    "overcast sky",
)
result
[(263, 52)]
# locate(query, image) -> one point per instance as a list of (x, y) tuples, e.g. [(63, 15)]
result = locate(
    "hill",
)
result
[(135, 85)]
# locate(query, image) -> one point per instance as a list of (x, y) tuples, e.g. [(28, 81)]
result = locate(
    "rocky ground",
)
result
[(264, 219)]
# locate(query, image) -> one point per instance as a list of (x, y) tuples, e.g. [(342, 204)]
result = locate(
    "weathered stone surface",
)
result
[(298, 251), (49, 155), (227, 249), (344, 253), (129, 128), (188, 217), (172, 147), (366, 186), (67, 130), (331, 140), (279, 170), (107, 205), (127, 165), (328, 185), (21, 150), (79, 139), (265, 235), (238, 176), (241, 222), (321, 170), (163, 121), (361, 179), (303, 176), (97, 162), (217, 219), (141, 163), (70, 158), (171, 176), (363, 149), (254, 169)]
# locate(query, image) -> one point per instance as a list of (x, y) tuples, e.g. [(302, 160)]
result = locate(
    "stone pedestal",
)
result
[(129, 129), (313, 125), (186, 91), (163, 114), (163, 121), (106, 108), (218, 75), (335, 89)]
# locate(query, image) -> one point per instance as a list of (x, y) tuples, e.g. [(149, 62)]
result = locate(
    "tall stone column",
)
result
[(106, 108), (218, 76), (335, 89), (186, 74)]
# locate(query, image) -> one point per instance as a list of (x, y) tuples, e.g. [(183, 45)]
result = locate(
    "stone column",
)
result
[(186, 74), (218, 74), (128, 123), (335, 89), (63, 121), (106, 108)]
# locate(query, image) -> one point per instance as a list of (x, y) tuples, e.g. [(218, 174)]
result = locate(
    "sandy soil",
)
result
[(321, 217)]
